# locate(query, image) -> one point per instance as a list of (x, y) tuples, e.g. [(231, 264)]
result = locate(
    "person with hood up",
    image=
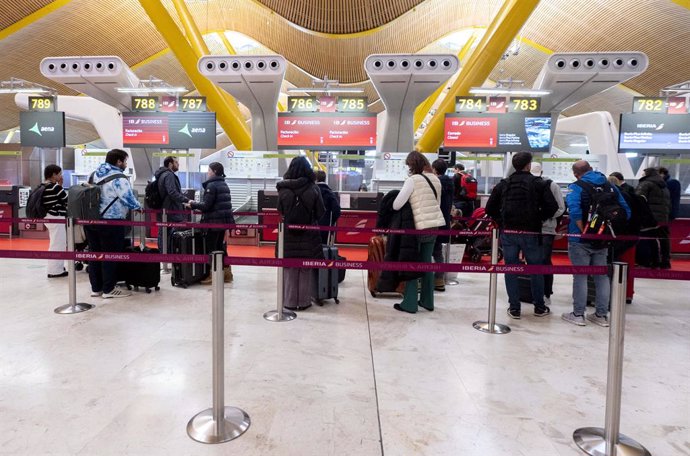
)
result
[(215, 207), (300, 203), (584, 253), (117, 199), (652, 187), (170, 190), (447, 187)]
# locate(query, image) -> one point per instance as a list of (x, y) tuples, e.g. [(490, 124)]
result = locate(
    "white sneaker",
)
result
[(578, 320), (96, 294), (116, 294), (547, 301), (596, 319)]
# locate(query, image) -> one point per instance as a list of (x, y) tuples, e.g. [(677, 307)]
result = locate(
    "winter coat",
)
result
[(118, 190), (653, 189), (216, 204), (331, 203), (673, 186), (447, 188), (301, 243), (170, 190), (575, 202), (399, 247)]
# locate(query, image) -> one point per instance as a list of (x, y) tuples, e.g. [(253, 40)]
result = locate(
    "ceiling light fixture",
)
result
[(508, 87), (15, 85), (152, 85), (326, 86)]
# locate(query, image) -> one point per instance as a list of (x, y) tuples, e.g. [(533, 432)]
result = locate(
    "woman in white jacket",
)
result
[(423, 191)]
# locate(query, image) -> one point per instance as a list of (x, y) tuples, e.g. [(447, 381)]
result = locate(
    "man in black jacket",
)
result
[(330, 202), (522, 202), (170, 191), (447, 187)]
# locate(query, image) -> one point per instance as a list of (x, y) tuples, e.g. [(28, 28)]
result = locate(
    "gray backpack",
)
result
[(84, 200)]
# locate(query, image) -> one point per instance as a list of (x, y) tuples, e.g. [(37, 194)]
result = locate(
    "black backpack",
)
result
[(299, 213), (152, 194), (605, 217), (520, 201), (34, 206)]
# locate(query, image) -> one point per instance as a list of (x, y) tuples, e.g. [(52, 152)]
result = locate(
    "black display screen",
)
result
[(654, 134), (42, 129), (498, 132), (192, 130)]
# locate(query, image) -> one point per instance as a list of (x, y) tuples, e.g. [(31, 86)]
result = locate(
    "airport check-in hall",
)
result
[(355, 227)]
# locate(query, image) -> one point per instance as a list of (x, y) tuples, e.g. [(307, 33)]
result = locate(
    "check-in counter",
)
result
[(359, 210), (12, 198)]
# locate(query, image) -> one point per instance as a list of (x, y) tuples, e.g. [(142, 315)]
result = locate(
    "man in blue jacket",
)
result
[(117, 199), (584, 253)]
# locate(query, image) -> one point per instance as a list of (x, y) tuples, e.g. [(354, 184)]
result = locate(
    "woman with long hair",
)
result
[(423, 191), (300, 203)]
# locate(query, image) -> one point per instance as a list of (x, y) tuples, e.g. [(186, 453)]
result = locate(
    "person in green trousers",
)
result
[(423, 191)]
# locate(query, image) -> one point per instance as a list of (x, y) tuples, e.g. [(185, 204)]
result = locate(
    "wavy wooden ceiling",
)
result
[(120, 27)]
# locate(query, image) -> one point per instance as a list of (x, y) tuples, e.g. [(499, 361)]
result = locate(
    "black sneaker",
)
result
[(56, 276), (542, 311), (514, 314)]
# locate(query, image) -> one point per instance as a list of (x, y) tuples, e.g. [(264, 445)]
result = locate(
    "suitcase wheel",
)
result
[(373, 293), (78, 266), (157, 288), (148, 290), (337, 301), (129, 287), (135, 288)]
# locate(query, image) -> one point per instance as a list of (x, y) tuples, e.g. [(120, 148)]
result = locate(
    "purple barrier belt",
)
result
[(60, 221), (660, 274), (622, 237), (106, 256)]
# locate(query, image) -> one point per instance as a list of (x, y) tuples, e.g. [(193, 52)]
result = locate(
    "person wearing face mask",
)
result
[(54, 200), (117, 199), (215, 207)]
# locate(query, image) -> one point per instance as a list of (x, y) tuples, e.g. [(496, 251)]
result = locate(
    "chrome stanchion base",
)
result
[(274, 315), (484, 326), (202, 428), (73, 309), (592, 441), (452, 282)]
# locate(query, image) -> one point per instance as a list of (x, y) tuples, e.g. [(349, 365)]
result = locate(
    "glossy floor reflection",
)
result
[(126, 377)]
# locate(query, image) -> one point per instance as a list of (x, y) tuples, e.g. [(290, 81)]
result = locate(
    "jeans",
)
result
[(665, 245), (103, 274), (547, 249), (582, 254), (512, 245)]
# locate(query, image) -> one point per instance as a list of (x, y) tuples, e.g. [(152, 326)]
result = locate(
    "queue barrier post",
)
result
[(280, 314), (609, 441), (72, 306), (164, 241), (219, 423), (491, 326)]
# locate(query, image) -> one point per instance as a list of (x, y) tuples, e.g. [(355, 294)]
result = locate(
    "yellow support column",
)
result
[(230, 120), (503, 29), (423, 109)]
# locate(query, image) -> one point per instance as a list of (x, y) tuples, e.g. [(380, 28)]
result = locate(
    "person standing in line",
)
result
[(300, 203), (548, 230), (652, 187), (623, 187), (423, 190), (54, 201), (440, 166), (583, 252), (522, 202), (215, 207), (117, 199), (330, 202), (673, 186), (465, 190), (170, 191)]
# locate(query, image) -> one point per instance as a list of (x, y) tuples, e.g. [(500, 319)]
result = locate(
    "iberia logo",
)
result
[(490, 269), (361, 224)]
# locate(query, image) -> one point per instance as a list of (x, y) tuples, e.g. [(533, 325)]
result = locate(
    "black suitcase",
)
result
[(188, 242), (327, 279), (135, 275), (341, 272)]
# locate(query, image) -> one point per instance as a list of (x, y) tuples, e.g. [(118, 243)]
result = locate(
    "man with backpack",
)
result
[(522, 202), (330, 202), (166, 193), (116, 200), (465, 190), (598, 212)]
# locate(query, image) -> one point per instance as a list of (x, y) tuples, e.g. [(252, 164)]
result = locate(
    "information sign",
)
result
[(327, 104), (649, 104), (654, 134), (326, 131), (192, 104), (353, 104), (498, 104), (525, 104), (168, 104), (496, 132), (144, 104), (302, 104), (470, 104), (192, 130), (145, 129), (677, 105), (42, 104), (42, 129)]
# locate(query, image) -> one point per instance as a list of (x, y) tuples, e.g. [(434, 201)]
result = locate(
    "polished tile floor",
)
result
[(357, 378)]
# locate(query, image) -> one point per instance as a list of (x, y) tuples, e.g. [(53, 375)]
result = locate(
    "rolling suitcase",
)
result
[(135, 275), (327, 279), (376, 253), (189, 242)]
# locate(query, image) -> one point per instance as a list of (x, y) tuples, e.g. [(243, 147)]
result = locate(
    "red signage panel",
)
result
[(678, 105), (471, 132), (326, 131), (144, 129)]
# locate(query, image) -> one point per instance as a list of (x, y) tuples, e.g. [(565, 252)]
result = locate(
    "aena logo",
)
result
[(38, 130), (185, 130), (188, 131)]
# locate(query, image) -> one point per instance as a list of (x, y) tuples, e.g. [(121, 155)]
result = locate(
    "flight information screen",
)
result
[(655, 134), (326, 131), (498, 132), (145, 129)]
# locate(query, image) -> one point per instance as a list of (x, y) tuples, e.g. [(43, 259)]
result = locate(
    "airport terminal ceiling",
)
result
[(324, 37)]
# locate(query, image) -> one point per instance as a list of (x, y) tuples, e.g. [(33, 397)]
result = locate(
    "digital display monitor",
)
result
[(498, 132), (192, 130), (42, 129), (145, 129), (326, 131), (654, 134)]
